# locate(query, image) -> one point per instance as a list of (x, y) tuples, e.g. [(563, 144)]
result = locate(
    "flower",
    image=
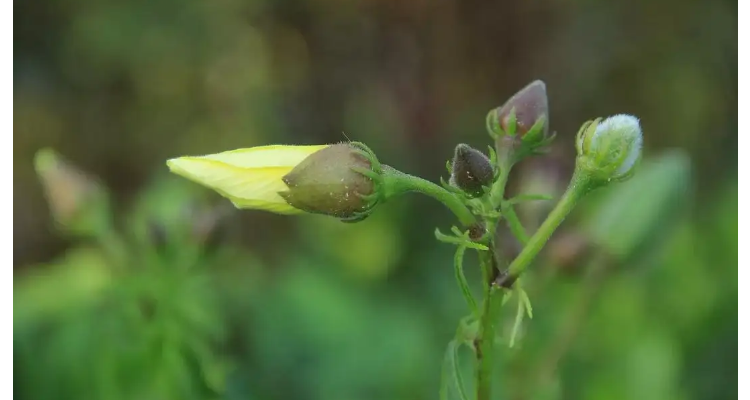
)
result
[(609, 149), (336, 180)]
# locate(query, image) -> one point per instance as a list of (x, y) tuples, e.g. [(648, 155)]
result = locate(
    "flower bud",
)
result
[(471, 170), (78, 201), (609, 149), (340, 180), (521, 125), (526, 112)]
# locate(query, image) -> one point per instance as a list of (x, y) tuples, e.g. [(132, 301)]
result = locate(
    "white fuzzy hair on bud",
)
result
[(610, 148), (628, 127)]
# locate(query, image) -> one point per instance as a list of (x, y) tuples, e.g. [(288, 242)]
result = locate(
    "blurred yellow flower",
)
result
[(250, 178)]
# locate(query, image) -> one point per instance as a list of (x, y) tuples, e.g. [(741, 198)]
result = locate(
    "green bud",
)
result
[(341, 180), (471, 170), (609, 150), (521, 125)]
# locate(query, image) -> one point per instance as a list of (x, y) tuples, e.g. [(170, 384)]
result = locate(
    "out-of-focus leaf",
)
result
[(317, 316), (652, 369), (52, 289), (368, 251), (636, 212)]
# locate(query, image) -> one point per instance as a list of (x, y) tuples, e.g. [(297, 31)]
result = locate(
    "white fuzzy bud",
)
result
[(610, 149)]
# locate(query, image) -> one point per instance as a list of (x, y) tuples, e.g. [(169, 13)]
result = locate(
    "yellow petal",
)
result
[(266, 156), (250, 178)]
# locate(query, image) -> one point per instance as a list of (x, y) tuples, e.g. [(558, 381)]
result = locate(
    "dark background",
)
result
[(262, 306)]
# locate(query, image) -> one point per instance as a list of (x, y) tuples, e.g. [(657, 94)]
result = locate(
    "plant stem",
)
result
[(484, 343), (397, 182), (498, 188), (578, 187)]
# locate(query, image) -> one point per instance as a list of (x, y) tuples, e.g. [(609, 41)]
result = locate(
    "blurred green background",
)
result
[(133, 284)]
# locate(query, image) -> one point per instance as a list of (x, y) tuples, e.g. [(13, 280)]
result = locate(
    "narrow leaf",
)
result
[(517, 323), (514, 223), (458, 379), (463, 284), (526, 302), (461, 241), (451, 373)]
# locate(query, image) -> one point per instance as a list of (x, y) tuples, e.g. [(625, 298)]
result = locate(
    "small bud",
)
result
[(340, 180), (78, 201), (477, 231), (610, 149), (471, 170), (521, 125), (522, 112)]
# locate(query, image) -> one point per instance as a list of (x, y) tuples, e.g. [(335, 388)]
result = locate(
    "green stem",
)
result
[(579, 186), (484, 343), (498, 188), (397, 182)]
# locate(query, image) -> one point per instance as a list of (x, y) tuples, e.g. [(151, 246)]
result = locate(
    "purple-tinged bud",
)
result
[(521, 125), (526, 111)]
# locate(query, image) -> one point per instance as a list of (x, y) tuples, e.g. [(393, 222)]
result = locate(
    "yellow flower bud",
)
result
[(337, 180)]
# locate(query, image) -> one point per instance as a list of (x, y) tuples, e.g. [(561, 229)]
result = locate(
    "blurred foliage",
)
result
[(152, 288)]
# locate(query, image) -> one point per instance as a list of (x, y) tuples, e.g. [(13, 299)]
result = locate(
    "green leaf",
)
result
[(463, 284), (526, 301), (514, 223), (462, 241), (636, 212), (517, 323), (452, 373)]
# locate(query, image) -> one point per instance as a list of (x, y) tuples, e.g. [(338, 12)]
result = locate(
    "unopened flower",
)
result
[(608, 150), (525, 112), (471, 170), (78, 201), (337, 180)]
